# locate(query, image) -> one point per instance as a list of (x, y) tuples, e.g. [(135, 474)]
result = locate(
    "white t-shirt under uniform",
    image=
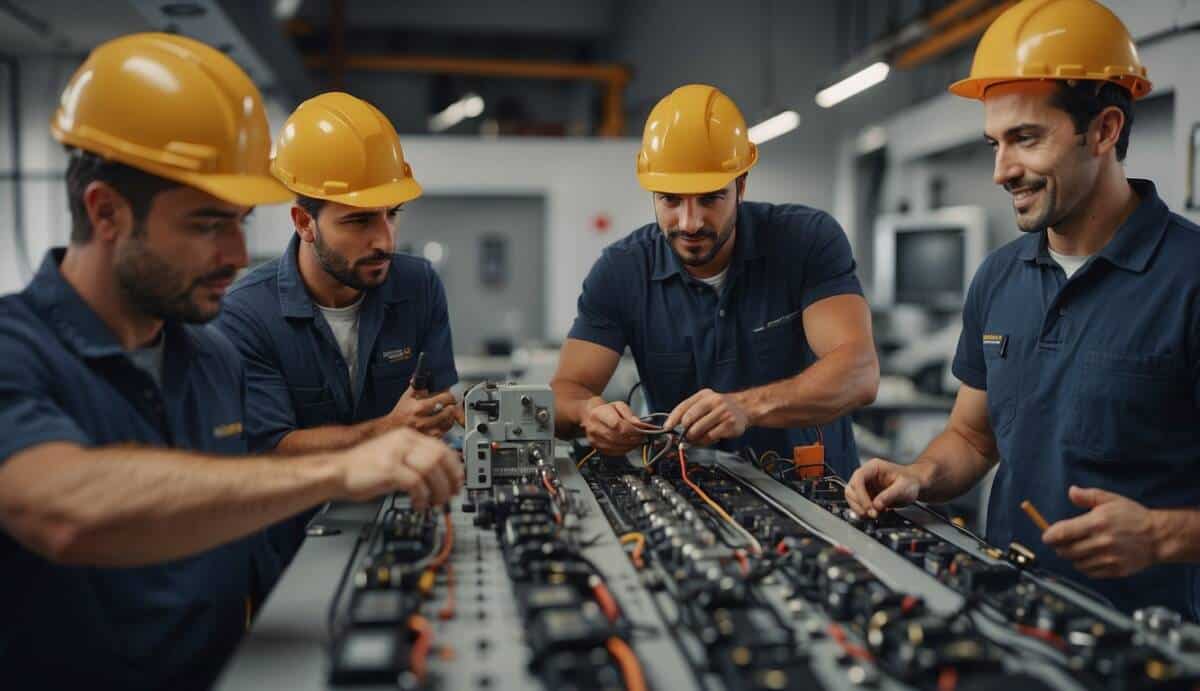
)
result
[(343, 321)]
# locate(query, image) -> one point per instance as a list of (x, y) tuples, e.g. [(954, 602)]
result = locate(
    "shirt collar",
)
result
[(745, 248), (294, 300), (76, 323), (1135, 241)]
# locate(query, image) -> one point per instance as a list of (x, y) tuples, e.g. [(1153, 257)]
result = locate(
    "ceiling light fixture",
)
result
[(854, 84)]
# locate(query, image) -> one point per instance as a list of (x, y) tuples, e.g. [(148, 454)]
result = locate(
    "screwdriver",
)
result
[(1034, 515)]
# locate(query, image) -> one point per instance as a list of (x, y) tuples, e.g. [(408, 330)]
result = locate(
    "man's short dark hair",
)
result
[(137, 187), (310, 204), (1083, 100)]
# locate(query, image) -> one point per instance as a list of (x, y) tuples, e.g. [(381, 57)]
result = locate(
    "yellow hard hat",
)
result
[(172, 107), (695, 141), (1055, 39), (343, 149)]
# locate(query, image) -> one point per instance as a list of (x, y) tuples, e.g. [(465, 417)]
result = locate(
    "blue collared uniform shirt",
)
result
[(684, 336), (65, 378), (296, 375), (1093, 381)]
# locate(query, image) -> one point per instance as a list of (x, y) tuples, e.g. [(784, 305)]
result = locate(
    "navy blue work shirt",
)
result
[(1093, 381), (296, 375), (65, 378), (685, 337)]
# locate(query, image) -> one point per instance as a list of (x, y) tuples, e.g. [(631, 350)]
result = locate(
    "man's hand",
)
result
[(708, 417), (401, 460), (1116, 538), (611, 427), (880, 485), (431, 415)]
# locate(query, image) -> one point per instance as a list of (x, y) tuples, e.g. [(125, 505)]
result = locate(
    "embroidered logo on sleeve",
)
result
[(999, 342), (225, 431)]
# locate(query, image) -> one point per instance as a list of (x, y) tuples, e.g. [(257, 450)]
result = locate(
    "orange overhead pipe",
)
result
[(949, 13), (951, 38), (613, 77)]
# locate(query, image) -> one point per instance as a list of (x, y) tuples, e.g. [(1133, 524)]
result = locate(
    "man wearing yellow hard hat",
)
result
[(332, 331), (746, 320), (130, 519), (1080, 349)]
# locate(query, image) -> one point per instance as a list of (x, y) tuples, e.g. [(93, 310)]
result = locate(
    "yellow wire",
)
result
[(639, 547), (586, 458)]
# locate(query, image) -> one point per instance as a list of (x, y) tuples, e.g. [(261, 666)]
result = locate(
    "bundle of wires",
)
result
[(755, 548)]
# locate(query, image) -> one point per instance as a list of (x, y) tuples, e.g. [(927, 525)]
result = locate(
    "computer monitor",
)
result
[(928, 259)]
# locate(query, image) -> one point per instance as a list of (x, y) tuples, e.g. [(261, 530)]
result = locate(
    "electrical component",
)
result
[(510, 433)]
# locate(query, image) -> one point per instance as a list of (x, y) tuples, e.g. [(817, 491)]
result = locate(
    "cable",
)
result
[(604, 598), (447, 542), (755, 548), (633, 390), (586, 458), (448, 610), (631, 669), (639, 546), (420, 647), (743, 562), (947, 679), (856, 651)]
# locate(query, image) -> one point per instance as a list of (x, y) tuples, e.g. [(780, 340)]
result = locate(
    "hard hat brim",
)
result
[(687, 183), (244, 190), (387, 195), (975, 87)]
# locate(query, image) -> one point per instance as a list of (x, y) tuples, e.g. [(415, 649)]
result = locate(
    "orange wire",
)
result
[(742, 561), (838, 635), (631, 669), (639, 547), (1042, 635), (607, 604), (447, 611), (447, 546), (695, 488), (421, 646), (947, 679)]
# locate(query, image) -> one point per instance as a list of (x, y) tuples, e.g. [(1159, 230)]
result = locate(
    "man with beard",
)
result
[(1080, 349), (746, 320), (130, 519), (331, 331)]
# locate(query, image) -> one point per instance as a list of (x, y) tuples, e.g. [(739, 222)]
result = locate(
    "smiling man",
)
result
[(746, 320), (331, 332), (1080, 350)]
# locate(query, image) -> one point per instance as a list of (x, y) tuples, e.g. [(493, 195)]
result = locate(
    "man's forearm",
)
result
[(571, 402), (129, 506), (330, 437), (949, 467), (1178, 535), (845, 379)]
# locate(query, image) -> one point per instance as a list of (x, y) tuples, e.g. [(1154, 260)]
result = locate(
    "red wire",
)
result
[(421, 646), (1042, 635), (743, 562), (947, 679), (605, 599), (447, 611), (839, 636)]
